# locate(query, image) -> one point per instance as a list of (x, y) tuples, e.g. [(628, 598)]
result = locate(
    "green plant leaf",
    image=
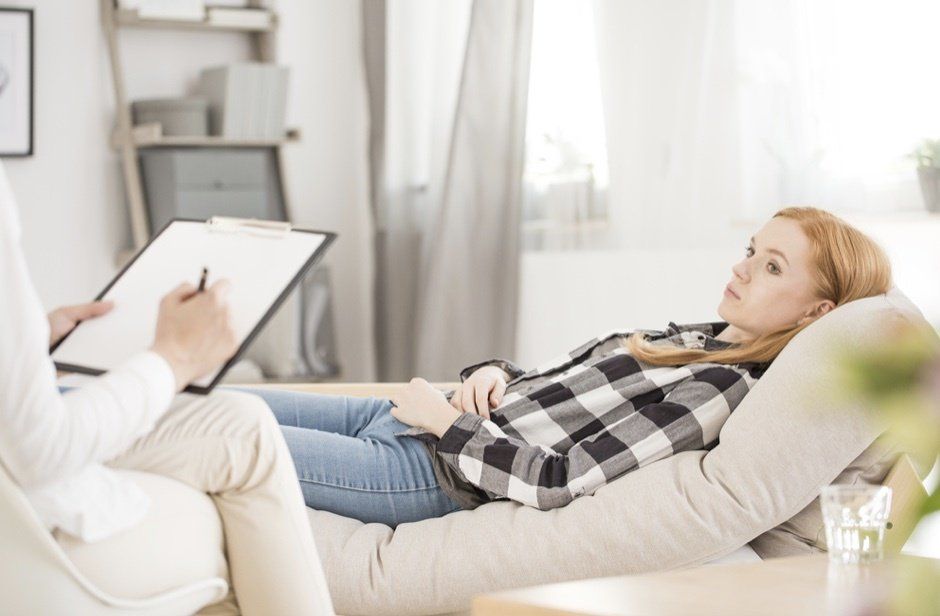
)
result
[(932, 503)]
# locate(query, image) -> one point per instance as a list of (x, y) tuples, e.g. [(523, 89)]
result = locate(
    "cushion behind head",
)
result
[(801, 380)]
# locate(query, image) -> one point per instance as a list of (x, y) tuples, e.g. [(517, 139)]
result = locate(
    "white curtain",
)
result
[(565, 202), (448, 120), (668, 83), (834, 95), (414, 52), (723, 111)]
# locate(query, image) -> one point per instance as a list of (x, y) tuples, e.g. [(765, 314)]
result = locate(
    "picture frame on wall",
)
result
[(16, 82)]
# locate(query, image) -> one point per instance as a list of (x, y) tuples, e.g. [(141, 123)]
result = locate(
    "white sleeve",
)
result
[(44, 435)]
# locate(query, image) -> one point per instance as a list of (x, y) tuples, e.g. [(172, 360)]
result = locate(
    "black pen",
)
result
[(202, 280)]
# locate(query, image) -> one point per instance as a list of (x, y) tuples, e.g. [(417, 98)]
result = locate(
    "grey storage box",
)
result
[(183, 117), (246, 100), (204, 182)]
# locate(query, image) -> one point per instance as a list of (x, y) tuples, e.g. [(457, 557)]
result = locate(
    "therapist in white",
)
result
[(71, 452)]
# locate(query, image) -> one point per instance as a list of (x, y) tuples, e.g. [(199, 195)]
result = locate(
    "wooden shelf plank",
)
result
[(130, 19), (151, 136), (220, 142)]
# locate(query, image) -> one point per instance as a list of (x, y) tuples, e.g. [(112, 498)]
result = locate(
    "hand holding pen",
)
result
[(194, 329)]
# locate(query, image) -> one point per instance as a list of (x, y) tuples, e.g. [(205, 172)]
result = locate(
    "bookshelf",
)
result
[(128, 139)]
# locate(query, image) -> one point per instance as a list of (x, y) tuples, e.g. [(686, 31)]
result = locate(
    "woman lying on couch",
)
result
[(620, 401), (67, 451)]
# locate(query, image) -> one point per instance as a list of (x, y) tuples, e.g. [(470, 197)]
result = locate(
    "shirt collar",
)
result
[(698, 335)]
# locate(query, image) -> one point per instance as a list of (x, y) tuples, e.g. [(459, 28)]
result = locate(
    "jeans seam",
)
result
[(342, 487)]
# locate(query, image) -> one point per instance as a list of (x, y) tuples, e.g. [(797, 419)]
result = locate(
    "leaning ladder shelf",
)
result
[(128, 139)]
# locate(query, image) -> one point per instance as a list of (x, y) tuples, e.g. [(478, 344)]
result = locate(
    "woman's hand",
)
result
[(194, 331), (481, 391), (423, 406), (63, 320)]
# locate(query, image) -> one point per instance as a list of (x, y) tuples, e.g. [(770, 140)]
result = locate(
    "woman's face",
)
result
[(772, 287)]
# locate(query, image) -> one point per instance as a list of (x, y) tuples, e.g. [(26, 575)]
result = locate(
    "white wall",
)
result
[(70, 193), (327, 171), (567, 298), (910, 239)]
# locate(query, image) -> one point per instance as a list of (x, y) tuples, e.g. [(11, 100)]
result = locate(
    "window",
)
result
[(565, 179), (834, 96)]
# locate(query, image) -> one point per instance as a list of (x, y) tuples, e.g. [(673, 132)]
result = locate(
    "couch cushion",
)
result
[(804, 532), (787, 439)]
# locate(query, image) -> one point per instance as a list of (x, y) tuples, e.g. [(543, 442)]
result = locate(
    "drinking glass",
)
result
[(855, 517)]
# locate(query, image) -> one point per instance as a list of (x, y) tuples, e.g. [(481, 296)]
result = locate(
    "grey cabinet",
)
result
[(204, 182)]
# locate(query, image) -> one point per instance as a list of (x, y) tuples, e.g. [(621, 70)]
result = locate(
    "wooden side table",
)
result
[(798, 585)]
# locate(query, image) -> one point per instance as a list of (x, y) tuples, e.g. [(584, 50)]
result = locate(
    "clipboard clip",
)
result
[(252, 226)]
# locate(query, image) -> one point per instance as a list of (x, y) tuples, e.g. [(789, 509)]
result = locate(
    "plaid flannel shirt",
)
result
[(583, 419)]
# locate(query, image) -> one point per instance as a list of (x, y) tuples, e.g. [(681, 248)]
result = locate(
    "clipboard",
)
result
[(263, 260)]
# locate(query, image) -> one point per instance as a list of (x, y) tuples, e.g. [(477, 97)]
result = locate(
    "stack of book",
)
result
[(247, 100)]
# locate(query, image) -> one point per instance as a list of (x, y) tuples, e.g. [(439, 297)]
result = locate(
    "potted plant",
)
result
[(927, 156)]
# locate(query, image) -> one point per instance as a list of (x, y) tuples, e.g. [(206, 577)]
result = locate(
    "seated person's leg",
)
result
[(350, 462), (229, 446)]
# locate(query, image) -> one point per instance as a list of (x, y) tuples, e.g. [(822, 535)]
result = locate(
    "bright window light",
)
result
[(565, 123)]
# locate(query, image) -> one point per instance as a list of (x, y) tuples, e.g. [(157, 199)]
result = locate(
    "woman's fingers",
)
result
[(80, 312), (483, 407), (178, 295), (474, 396), (496, 396), (96, 309), (221, 289), (466, 398), (181, 291), (455, 399)]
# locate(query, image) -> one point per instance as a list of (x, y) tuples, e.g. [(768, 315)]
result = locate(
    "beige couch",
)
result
[(790, 436)]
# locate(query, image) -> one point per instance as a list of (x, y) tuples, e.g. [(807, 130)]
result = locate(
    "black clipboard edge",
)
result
[(330, 237)]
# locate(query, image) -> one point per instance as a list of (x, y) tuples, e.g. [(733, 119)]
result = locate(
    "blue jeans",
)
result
[(350, 462)]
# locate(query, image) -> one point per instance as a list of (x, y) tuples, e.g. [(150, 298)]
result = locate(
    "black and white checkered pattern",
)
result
[(583, 419)]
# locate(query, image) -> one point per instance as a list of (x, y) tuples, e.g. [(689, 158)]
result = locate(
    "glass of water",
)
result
[(855, 517)]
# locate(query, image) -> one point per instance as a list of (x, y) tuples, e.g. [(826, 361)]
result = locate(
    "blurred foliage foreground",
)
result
[(899, 378)]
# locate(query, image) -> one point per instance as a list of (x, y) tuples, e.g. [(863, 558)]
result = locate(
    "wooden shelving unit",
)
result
[(128, 139)]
